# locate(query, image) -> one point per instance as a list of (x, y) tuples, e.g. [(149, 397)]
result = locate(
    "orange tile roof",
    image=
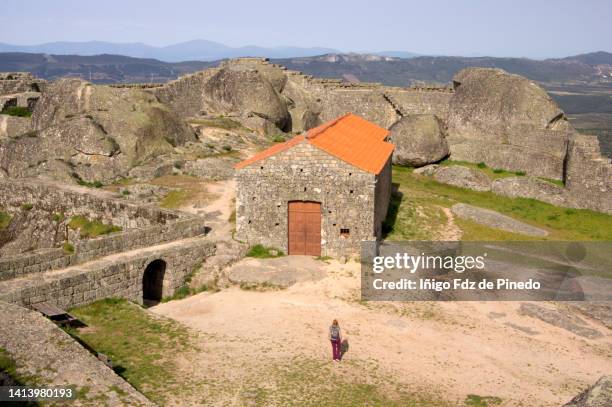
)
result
[(349, 138)]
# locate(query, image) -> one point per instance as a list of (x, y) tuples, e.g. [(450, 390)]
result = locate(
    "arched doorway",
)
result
[(152, 282)]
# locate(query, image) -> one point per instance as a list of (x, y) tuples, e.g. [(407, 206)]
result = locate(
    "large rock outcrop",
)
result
[(92, 133), (598, 395), (419, 140), (506, 121), (464, 177)]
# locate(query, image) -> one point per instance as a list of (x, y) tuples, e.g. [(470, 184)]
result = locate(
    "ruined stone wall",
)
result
[(305, 173), (382, 195), (85, 250), (55, 198), (589, 174), (44, 352), (18, 82), (120, 277)]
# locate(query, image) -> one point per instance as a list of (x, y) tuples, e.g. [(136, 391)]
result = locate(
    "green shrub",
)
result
[(227, 148), (125, 192), (68, 248), (27, 206), (521, 173), (5, 220), (481, 165), (91, 228), (17, 111), (94, 184), (498, 170), (262, 252), (59, 217), (278, 139)]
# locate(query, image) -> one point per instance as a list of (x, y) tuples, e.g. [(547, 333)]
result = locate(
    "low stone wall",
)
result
[(69, 200), (85, 250), (119, 277), (50, 357)]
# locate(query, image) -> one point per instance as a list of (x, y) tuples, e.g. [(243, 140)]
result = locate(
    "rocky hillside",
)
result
[(84, 132), (98, 68)]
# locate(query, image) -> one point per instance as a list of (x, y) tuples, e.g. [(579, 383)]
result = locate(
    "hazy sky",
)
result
[(530, 28)]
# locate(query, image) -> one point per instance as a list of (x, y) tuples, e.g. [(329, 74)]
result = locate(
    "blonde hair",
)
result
[(335, 322)]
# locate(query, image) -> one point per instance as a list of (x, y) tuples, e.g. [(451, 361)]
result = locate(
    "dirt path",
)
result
[(451, 231), (453, 349)]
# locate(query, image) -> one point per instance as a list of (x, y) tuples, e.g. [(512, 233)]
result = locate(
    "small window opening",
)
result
[(334, 224), (351, 191), (253, 198), (304, 189), (261, 167), (350, 173), (249, 222), (301, 170), (276, 224), (345, 232), (328, 211)]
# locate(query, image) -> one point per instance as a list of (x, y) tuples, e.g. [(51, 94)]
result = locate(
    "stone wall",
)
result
[(305, 173), (85, 250), (119, 277), (382, 196), (50, 357), (18, 82), (589, 174), (71, 201)]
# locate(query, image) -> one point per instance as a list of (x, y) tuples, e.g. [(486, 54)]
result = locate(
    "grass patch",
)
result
[(187, 190), (265, 286), (17, 111), (175, 199), (219, 122), (91, 228), (140, 346), (556, 182), (5, 220), (308, 382), (323, 258), (88, 184), (412, 219), (68, 248), (492, 173), (263, 252), (562, 223), (482, 401)]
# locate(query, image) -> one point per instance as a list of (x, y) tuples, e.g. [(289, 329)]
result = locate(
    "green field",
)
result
[(415, 213)]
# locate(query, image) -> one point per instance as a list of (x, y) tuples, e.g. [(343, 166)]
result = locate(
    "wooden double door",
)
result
[(305, 228)]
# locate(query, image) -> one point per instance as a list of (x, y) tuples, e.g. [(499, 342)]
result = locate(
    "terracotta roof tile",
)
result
[(349, 138), (275, 149)]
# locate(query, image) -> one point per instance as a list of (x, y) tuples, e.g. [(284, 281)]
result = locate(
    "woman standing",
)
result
[(336, 340)]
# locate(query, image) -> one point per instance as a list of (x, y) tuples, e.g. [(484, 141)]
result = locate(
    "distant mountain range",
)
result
[(585, 68), (202, 50)]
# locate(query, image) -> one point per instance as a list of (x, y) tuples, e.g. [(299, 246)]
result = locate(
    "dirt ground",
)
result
[(451, 349), (448, 350)]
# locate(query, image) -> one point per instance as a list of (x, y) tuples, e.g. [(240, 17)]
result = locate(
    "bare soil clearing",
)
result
[(439, 350)]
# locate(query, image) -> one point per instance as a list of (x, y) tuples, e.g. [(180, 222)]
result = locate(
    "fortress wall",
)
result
[(120, 278), (90, 249), (589, 174), (421, 101), (70, 201)]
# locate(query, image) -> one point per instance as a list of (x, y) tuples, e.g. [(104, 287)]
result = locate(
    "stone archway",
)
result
[(152, 282)]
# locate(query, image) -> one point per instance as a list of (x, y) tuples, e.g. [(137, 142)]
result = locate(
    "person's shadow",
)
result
[(344, 347)]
